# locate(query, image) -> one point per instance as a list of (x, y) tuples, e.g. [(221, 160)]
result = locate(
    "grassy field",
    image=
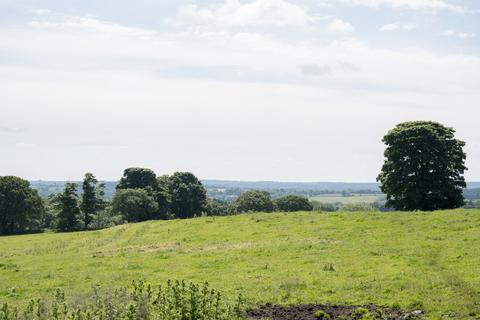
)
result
[(413, 260), (338, 198)]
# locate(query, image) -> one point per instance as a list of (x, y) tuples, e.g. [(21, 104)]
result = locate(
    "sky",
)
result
[(276, 90)]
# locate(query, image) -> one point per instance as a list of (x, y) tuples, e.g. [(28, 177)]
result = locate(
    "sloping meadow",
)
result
[(409, 261)]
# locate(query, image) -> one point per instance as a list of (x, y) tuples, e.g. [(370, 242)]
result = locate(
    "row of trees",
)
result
[(67, 211), (23, 210), (140, 195), (258, 201), (143, 196), (423, 170)]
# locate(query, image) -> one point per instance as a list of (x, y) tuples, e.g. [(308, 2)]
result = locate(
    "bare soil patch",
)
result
[(331, 312)]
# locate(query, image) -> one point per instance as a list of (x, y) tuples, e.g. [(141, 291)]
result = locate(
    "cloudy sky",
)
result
[(286, 90)]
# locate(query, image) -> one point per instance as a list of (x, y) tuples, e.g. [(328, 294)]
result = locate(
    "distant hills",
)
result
[(330, 186), (230, 189)]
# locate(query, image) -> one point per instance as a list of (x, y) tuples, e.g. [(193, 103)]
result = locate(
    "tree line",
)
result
[(140, 195), (423, 170)]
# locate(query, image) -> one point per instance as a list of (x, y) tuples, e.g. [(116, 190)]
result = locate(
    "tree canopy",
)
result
[(135, 205), (21, 207), (292, 203), (423, 168), (68, 217), (138, 178), (254, 201), (92, 198), (187, 194)]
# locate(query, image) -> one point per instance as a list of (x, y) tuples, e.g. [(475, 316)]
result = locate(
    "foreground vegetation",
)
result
[(174, 301), (412, 260)]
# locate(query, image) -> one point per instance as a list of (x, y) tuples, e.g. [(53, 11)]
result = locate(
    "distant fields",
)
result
[(350, 199), (413, 260)]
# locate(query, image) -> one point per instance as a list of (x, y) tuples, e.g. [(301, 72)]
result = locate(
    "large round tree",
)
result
[(254, 201), (188, 196), (135, 205), (292, 203), (423, 168), (138, 178), (21, 208)]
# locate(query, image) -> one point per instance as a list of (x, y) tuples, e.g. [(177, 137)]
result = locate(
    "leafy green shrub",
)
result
[(105, 219), (177, 300), (253, 201), (135, 205), (216, 207), (292, 203)]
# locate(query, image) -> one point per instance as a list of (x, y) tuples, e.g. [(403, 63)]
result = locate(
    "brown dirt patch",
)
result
[(311, 312)]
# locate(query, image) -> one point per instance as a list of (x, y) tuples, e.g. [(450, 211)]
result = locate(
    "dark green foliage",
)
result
[(140, 203), (162, 196), (292, 203), (423, 168), (50, 210), (188, 196), (254, 201), (174, 301), (216, 207), (135, 205), (138, 178), (21, 208), (106, 219), (68, 217), (92, 198)]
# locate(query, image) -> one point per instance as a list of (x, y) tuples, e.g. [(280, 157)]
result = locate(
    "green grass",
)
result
[(351, 199), (413, 260)]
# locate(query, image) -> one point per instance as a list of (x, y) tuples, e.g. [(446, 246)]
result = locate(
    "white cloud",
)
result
[(253, 13), (429, 5), (86, 23), (458, 34), (88, 42), (199, 82), (338, 25), (7, 129), (398, 26), (315, 70), (41, 11)]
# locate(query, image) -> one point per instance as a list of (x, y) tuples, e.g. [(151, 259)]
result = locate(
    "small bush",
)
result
[(135, 205), (292, 203), (253, 201), (174, 301), (216, 207)]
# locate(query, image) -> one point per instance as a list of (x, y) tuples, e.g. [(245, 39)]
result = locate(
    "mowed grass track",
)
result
[(413, 260)]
